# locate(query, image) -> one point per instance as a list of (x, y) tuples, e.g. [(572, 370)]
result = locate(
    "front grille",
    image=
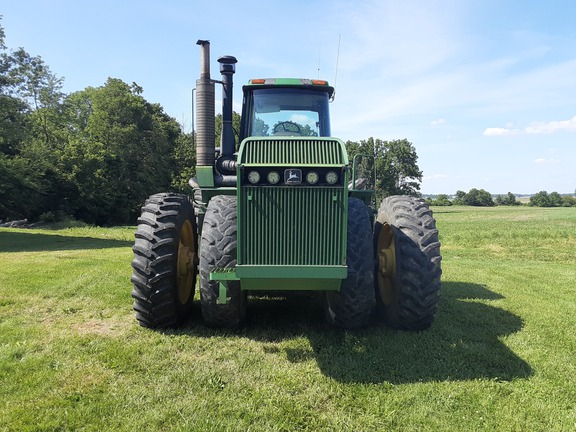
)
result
[(293, 151), (292, 226)]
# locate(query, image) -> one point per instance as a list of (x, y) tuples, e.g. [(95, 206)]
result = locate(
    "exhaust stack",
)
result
[(205, 148), (227, 69)]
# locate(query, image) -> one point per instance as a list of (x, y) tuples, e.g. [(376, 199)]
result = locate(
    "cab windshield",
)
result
[(288, 112)]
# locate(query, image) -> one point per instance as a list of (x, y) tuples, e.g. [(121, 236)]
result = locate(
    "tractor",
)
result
[(281, 210)]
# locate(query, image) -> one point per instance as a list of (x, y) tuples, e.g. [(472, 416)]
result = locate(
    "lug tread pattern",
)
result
[(352, 306), (155, 259), (418, 259), (219, 250)]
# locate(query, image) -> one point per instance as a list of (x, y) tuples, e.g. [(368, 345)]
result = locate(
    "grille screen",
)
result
[(291, 226), (288, 151)]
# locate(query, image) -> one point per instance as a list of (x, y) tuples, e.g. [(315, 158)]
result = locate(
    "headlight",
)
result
[(273, 177), (331, 177), (253, 177), (312, 177)]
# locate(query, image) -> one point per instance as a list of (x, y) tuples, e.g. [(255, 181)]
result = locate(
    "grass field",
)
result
[(501, 354)]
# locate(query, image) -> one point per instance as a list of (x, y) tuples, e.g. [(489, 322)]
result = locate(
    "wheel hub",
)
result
[(186, 266)]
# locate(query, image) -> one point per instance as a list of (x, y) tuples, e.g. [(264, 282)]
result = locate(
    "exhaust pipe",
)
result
[(205, 148), (227, 69)]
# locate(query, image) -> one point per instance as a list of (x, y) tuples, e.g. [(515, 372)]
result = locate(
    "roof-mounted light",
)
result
[(263, 81)]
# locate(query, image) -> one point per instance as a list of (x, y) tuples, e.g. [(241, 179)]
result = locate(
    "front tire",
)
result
[(165, 261), (352, 306), (218, 250), (407, 263)]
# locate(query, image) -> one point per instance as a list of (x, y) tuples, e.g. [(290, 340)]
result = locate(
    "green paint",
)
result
[(205, 176), (292, 236), (290, 272)]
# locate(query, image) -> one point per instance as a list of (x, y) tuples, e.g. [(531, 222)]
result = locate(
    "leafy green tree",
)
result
[(541, 199), (393, 170), (555, 199), (185, 164), (441, 200), (478, 197), (508, 200), (568, 201), (236, 119), (459, 198), (120, 150), (29, 108)]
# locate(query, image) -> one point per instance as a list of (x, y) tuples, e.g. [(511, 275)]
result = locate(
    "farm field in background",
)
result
[(500, 355)]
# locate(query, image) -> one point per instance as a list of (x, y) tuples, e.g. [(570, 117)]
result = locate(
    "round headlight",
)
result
[(331, 177), (253, 177), (273, 177), (312, 177)]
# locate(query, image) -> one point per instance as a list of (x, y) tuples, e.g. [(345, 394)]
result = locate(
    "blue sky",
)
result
[(485, 90)]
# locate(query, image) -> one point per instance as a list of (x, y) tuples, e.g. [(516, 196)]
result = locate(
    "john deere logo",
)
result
[(293, 176)]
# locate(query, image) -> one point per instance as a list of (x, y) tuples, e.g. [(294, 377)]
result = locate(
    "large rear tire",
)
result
[(407, 263), (165, 263), (218, 250), (352, 306)]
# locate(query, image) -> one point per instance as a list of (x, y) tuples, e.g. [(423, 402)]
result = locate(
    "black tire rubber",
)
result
[(163, 296), (352, 306), (218, 250), (410, 300)]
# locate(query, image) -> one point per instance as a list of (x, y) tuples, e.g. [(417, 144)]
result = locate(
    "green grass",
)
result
[(500, 355)]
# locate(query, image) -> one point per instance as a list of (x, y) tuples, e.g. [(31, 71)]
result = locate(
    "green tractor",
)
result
[(281, 211)]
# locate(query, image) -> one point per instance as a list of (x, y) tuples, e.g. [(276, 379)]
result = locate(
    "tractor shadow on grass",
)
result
[(18, 241), (463, 343)]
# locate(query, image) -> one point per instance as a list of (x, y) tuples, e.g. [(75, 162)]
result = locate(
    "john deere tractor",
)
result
[(281, 210)]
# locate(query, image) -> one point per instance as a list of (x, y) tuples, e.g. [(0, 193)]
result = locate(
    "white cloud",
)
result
[(544, 161), (552, 126), (438, 122), (500, 132), (536, 128)]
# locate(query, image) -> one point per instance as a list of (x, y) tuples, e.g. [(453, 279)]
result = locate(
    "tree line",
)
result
[(96, 154), (482, 198)]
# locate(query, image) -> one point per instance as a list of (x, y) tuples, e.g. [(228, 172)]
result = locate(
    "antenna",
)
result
[(337, 60), (319, 52)]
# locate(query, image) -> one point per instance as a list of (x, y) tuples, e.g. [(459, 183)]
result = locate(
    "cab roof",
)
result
[(312, 84)]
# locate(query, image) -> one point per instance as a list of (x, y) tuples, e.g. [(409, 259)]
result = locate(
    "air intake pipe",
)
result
[(205, 148)]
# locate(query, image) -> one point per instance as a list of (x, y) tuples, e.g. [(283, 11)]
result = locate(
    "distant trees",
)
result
[(482, 198), (554, 199), (441, 200), (475, 197), (507, 200)]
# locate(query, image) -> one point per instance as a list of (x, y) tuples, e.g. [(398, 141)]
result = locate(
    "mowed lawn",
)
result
[(501, 354)]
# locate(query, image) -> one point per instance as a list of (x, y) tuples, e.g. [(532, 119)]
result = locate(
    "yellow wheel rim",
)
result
[(187, 256), (386, 273)]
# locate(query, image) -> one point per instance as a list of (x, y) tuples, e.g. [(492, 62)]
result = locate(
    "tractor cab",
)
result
[(290, 107)]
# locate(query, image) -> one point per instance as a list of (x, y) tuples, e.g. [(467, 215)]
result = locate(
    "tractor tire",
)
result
[(407, 263), (165, 263), (352, 306), (218, 250)]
